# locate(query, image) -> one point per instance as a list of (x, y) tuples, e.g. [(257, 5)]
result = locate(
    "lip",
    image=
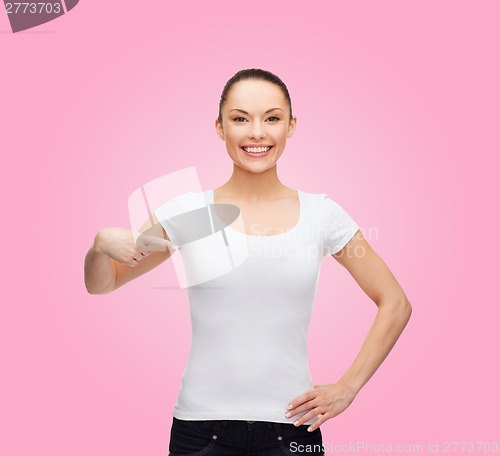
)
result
[(263, 154), (257, 145)]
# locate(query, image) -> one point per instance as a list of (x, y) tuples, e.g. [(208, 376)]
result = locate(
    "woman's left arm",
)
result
[(394, 311)]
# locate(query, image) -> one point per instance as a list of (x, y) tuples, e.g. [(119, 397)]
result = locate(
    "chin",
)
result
[(253, 169)]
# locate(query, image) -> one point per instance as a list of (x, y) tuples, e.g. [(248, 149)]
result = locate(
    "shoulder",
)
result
[(320, 203), (327, 211), (179, 216), (182, 203)]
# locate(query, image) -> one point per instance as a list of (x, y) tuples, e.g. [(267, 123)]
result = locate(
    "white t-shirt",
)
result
[(248, 355)]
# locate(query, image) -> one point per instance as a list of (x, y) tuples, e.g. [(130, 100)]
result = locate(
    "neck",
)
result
[(254, 187)]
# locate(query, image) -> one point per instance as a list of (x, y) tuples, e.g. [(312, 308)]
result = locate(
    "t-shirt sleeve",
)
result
[(339, 226), (165, 215), (174, 216), (161, 213)]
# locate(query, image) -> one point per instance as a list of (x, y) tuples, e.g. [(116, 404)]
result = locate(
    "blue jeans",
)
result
[(242, 438)]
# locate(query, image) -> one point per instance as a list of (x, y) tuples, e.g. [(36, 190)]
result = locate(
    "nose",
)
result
[(256, 130)]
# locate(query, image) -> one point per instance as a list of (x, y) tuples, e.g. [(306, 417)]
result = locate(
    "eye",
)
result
[(277, 119)]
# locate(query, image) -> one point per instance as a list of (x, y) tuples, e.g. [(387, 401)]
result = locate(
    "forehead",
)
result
[(255, 93)]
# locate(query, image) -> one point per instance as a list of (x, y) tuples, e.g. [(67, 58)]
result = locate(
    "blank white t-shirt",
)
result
[(248, 355)]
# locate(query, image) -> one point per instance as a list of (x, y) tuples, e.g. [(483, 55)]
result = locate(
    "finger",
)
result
[(137, 257), (171, 247), (307, 396), (322, 417), (139, 254), (302, 407), (307, 417), (133, 263), (161, 245), (148, 242)]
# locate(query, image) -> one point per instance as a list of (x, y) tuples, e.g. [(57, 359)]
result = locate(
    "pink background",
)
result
[(397, 107)]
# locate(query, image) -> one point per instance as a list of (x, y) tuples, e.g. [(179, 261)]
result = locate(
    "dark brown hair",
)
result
[(253, 73)]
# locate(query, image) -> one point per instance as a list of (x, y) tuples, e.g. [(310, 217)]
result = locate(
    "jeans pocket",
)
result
[(190, 438), (302, 442)]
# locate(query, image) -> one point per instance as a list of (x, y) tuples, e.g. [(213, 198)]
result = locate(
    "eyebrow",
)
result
[(244, 112)]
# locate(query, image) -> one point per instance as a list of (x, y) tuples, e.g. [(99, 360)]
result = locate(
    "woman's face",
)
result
[(256, 113)]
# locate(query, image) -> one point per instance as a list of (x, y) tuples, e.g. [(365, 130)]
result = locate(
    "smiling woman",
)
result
[(247, 386), (255, 120)]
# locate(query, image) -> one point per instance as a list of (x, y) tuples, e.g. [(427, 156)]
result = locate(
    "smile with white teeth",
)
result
[(256, 150)]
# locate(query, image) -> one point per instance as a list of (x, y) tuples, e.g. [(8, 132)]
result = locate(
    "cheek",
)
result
[(231, 136)]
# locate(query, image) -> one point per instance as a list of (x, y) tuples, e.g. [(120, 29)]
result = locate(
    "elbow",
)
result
[(400, 307), (92, 291), (403, 306), (407, 309), (404, 310), (88, 288)]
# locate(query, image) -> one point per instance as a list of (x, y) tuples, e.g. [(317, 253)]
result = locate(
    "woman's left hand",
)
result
[(324, 401)]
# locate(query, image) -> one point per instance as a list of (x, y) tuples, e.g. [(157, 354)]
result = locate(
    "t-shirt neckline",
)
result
[(210, 194)]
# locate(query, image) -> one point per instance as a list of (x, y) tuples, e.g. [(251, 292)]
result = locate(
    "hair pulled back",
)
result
[(253, 73)]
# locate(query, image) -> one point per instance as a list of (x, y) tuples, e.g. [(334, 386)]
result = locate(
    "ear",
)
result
[(291, 127), (219, 129)]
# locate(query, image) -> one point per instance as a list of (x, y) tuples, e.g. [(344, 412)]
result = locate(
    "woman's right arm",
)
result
[(99, 270), (110, 262)]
